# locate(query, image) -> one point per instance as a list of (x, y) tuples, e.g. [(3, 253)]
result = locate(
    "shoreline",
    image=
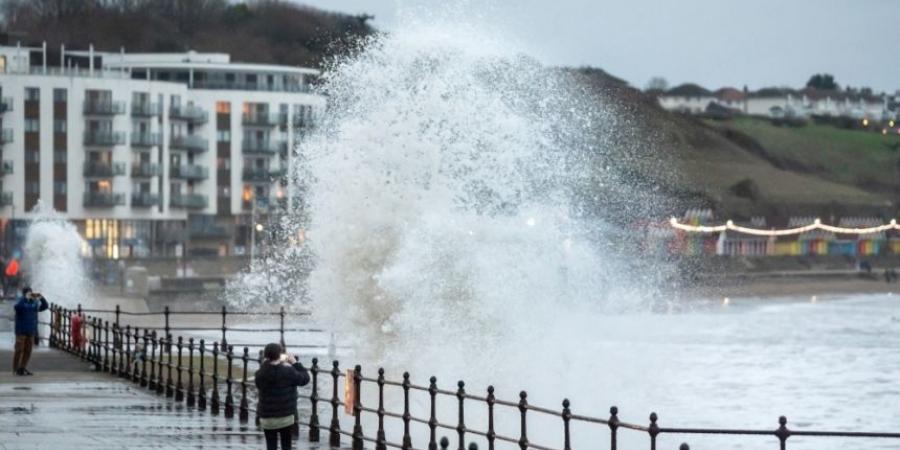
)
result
[(773, 285)]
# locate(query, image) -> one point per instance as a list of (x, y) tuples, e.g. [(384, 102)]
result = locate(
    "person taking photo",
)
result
[(28, 305), (277, 380)]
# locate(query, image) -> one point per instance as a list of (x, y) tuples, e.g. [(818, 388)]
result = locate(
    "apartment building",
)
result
[(149, 154)]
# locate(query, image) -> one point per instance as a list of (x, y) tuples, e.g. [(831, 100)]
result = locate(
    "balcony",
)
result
[(145, 139), (144, 200), (6, 105), (103, 107), (189, 172), (193, 114), (145, 109), (6, 168), (6, 136), (189, 142), (256, 174), (192, 201), (144, 170), (6, 199), (104, 138), (264, 119), (303, 122), (263, 147), (103, 169), (210, 231), (97, 199)]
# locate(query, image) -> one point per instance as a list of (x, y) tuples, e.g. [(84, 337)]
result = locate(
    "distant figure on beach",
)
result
[(28, 305), (277, 380)]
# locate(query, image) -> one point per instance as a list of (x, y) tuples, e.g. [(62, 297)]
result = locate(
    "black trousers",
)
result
[(273, 435)]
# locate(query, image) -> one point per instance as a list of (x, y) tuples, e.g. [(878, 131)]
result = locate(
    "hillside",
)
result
[(264, 31)]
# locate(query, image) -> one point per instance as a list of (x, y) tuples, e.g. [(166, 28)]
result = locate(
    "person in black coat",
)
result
[(277, 380)]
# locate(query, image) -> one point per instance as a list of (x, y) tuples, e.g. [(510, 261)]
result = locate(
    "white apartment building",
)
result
[(149, 154)]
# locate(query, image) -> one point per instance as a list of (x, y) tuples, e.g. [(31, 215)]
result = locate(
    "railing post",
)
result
[(170, 384), (313, 399), (461, 424), (224, 327), (782, 432), (151, 381), (118, 312), (107, 361), (201, 392), (653, 430), (125, 360), (357, 409), (166, 313), (335, 430), (432, 418), (190, 386), (407, 440), (523, 408), (245, 406), (613, 426), (214, 399), (380, 439), (160, 379), (566, 417), (179, 387), (491, 434), (281, 328), (229, 399), (141, 377)]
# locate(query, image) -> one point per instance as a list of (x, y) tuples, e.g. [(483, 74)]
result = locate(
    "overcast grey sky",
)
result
[(712, 42)]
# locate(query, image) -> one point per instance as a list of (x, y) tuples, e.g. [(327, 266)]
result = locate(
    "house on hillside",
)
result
[(686, 98), (732, 98), (782, 103)]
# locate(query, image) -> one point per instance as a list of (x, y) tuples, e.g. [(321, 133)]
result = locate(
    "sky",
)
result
[(714, 43)]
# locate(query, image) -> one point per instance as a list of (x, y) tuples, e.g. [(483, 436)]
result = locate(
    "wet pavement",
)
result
[(65, 405)]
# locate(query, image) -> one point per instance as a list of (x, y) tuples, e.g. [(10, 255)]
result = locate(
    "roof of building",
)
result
[(688, 90), (729, 94)]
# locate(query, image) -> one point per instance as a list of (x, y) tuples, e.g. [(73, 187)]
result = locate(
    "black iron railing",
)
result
[(157, 361)]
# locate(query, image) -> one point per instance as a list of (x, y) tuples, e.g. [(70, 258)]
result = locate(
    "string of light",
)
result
[(816, 225)]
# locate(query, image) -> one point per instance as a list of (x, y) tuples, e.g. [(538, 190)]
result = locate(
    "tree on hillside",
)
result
[(657, 84), (823, 81)]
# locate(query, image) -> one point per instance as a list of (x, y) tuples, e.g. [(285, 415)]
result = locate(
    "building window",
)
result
[(59, 126), (59, 187), (223, 163), (223, 107), (223, 136), (32, 187), (32, 156), (32, 94), (59, 95), (60, 157), (32, 125)]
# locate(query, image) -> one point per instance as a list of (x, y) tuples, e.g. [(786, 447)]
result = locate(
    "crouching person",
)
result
[(277, 381)]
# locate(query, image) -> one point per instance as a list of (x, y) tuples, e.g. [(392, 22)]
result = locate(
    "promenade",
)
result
[(67, 405)]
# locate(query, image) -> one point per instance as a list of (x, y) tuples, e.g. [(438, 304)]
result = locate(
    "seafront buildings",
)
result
[(149, 154)]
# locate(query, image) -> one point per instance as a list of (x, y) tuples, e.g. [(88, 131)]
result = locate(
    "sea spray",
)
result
[(53, 262)]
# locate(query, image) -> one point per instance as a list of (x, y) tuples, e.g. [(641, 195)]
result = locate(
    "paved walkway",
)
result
[(67, 406)]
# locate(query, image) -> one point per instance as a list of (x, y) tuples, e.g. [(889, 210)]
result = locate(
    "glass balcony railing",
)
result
[(190, 113), (6, 199), (6, 136), (103, 169), (6, 105), (264, 119), (6, 168), (98, 199), (104, 138), (144, 170), (231, 85), (145, 139), (144, 200), (188, 172), (189, 142), (193, 201), (257, 174), (263, 147), (103, 107), (145, 109)]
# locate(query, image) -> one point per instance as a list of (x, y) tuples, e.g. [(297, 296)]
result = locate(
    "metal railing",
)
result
[(131, 353), (103, 199), (145, 109), (144, 170), (225, 85), (264, 119), (104, 138), (144, 200), (263, 146), (194, 201), (6, 136), (103, 169), (189, 142), (103, 107), (139, 139), (190, 113), (189, 172)]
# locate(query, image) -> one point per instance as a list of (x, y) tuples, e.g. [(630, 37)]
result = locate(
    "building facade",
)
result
[(149, 154)]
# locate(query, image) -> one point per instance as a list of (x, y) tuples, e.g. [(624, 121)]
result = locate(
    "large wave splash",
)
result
[(445, 211)]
